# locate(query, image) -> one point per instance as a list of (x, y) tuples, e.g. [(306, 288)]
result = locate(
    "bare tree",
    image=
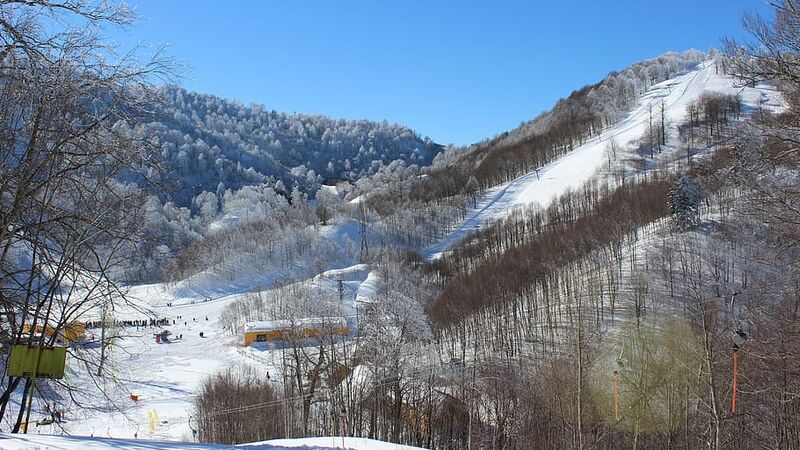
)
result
[(238, 406), (68, 107)]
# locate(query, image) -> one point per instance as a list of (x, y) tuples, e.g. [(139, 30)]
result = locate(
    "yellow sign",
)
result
[(23, 361), (153, 416)]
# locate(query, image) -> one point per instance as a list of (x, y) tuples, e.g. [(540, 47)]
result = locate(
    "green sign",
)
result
[(22, 362)]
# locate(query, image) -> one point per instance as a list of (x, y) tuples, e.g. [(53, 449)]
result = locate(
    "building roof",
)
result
[(286, 324)]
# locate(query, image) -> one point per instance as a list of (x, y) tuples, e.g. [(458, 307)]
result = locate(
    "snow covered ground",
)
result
[(43, 442), (578, 166), (254, 275), (166, 376)]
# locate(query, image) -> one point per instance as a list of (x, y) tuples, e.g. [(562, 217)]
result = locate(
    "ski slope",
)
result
[(165, 377), (42, 442), (584, 162)]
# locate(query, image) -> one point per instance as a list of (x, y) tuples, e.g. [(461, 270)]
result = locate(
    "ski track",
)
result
[(576, 167)]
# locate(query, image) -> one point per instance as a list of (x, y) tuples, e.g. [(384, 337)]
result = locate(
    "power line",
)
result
[(387, 381)]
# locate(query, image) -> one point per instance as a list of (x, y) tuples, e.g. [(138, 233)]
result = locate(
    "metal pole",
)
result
[(102, 342), (33, 386)]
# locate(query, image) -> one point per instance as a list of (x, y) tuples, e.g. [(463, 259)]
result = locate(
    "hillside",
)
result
[(438, 194), (621, 271), (541, 186), (218, 301), (206, 142), (217, 163)]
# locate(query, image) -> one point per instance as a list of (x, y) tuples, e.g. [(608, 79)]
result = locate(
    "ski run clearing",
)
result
[(573, 169)]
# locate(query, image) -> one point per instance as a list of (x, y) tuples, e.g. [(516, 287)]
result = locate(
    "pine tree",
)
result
[(684, 202)]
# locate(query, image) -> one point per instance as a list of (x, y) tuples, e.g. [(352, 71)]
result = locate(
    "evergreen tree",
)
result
[(684, 202)]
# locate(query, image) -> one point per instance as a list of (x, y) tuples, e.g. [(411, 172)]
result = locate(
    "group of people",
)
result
[(129, 323), (152, 323)]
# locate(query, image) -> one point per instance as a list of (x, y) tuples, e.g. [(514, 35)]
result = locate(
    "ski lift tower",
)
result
[(363, 219)]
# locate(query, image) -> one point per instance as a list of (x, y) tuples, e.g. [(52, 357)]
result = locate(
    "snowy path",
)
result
[(573, 169)]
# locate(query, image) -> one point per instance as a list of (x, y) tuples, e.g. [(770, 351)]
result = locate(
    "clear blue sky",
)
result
[(456, 71)]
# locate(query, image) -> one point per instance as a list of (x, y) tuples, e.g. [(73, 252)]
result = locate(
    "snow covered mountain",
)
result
[(165, 378), (621, 271), (209, 144), (540, 186), (285, 265), (221, 163)]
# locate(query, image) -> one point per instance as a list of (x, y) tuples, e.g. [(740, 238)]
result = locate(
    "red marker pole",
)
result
[(735, 380), (616, 397)]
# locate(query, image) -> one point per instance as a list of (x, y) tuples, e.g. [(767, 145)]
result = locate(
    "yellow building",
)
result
[(281, 330), (74, 332)]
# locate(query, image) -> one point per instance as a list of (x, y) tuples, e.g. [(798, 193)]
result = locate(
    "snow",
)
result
[(581, 164), (333, 190), (227, 221), (285, 324), (216, 285), (166, 376), (334, 443), (37, 442), (368, 288)]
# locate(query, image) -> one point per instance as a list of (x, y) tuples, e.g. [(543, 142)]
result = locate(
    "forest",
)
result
[(655, 306), (611, 318)]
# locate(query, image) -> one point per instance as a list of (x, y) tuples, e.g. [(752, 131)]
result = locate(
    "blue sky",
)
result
[(457, 71)]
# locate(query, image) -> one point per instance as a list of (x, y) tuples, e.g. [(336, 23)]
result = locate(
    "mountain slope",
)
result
[(205, 140), (166, 376), (541, 186), (222, 163), (427, 201)]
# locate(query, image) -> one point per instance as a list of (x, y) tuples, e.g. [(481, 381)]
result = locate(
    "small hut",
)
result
[(282, 330)]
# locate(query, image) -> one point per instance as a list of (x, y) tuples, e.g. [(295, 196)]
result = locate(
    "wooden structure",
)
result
[(73, 332), (283, 330), (32, 362)]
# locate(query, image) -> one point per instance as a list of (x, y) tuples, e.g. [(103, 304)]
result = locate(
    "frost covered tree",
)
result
[(395, 332), (769, 156), (684, 203), (326, 204), (69, 108), (205, 140), (208, 205)]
